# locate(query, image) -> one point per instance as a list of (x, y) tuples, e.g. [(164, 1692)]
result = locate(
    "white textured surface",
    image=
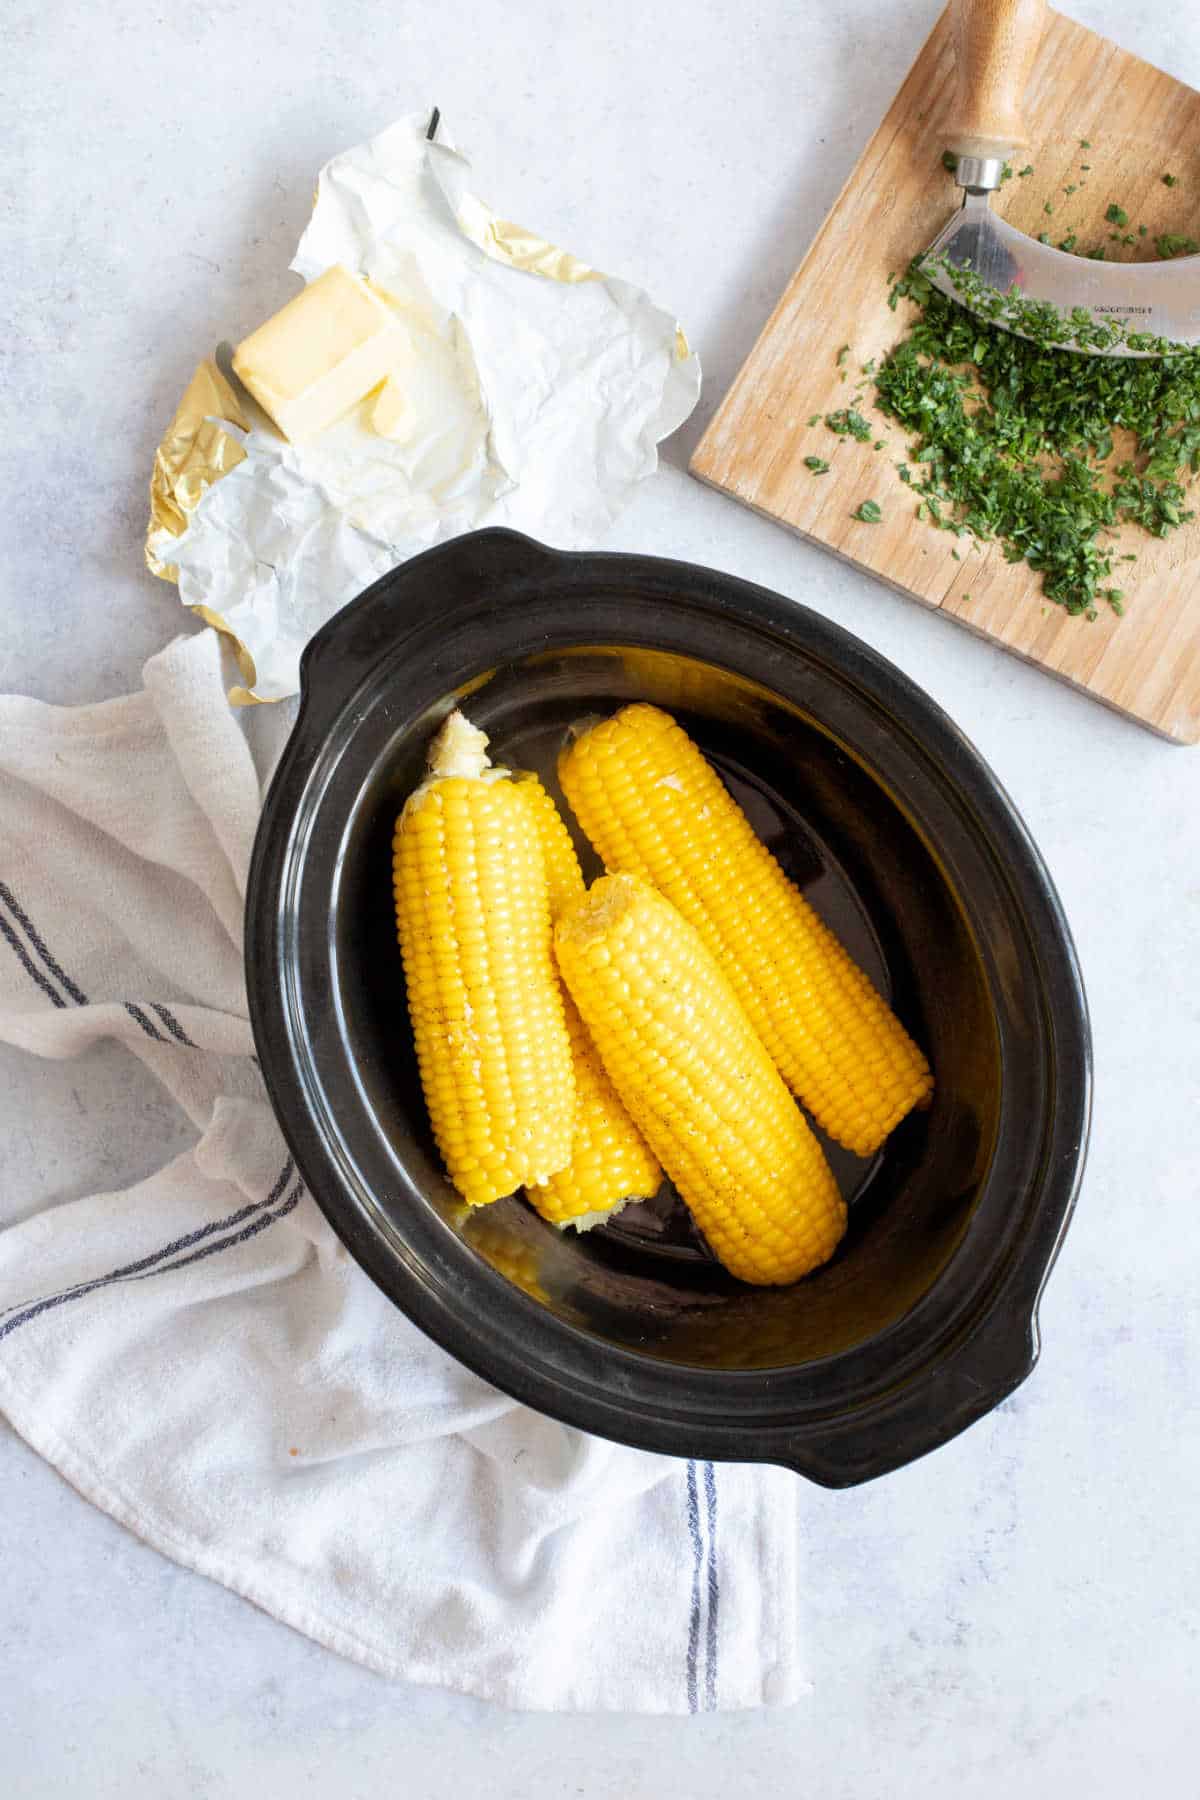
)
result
[(1017, 1609)]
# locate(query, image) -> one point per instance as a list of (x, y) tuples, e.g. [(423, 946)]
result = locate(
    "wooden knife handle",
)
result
[(996, 42)]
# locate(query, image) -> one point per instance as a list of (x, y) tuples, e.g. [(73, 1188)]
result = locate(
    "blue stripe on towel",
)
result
[(55, 969), (26, 961), (156, 1262), (693, 1641), (714, 1591), (31, 932), (152, 1264)]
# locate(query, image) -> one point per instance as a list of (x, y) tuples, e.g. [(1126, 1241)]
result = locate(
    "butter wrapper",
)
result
[(531, 391), (196, 451)]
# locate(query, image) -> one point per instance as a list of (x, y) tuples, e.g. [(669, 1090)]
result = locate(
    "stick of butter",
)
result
[(320, 354)]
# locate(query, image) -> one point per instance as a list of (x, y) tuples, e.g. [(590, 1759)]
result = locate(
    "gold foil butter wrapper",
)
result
[(534, 391), (195, 452), (511, 244)]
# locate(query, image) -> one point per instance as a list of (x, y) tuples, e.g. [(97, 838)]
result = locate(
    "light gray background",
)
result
[(1016, 1612)]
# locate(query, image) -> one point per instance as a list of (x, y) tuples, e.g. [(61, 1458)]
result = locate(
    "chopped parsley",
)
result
[(847, 422), (817, 464), (1013, 440), (1171, 243), (1170, 181)]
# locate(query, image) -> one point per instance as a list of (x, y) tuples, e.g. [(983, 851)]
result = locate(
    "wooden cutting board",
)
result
[(1141, 124)]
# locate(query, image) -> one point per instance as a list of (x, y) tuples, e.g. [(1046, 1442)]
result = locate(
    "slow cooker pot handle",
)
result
[(904, 1425), (347, 650)]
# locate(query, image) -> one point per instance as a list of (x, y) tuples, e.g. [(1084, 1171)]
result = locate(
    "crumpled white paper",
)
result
[(536, 391)]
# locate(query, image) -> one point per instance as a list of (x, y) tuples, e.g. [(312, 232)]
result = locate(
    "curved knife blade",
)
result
[(1159, 300)]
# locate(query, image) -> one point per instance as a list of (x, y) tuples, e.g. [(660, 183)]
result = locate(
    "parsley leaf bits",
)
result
[(1173, 243), (1043, 450), (846, 422)]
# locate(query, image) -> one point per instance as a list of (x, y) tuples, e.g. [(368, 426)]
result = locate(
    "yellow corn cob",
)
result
[(610, 1160), (473, 916), (564, 877), (653, 806), (686, 1061)]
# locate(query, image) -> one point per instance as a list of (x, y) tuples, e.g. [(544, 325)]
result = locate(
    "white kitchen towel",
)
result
[(199, 1356)]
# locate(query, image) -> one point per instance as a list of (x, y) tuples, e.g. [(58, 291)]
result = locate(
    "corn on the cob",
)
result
[(688, 1065), (473, 917), (564, 877), (610, 1160), (653, 806)]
